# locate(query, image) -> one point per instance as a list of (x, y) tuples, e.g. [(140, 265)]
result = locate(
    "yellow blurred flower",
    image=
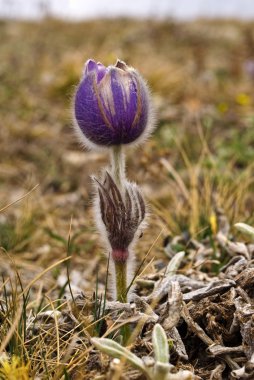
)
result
[(222, 107), (243, 99), (213, 223), (13, 368)]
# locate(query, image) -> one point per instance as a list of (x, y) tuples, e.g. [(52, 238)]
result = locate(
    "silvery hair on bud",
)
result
[(120, 217)]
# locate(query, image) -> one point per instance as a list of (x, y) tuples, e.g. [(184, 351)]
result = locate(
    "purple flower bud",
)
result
[(111, 105)]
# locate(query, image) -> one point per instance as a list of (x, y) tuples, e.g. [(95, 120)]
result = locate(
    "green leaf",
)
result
[(115, 350), (245, 228), (174, 263), (160, 344)]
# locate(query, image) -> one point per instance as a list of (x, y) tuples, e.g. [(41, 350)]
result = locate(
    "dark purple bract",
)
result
[(111, 104)]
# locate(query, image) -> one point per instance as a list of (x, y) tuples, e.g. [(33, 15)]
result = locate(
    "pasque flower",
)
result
[(119, 216), (112, 108), (111, 105)]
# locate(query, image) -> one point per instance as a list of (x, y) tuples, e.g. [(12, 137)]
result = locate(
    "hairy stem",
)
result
[(118, 165), (121, 294), (118, 174), (121, 281)]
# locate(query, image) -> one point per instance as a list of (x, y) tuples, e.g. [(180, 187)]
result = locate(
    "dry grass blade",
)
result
[(19, 199)]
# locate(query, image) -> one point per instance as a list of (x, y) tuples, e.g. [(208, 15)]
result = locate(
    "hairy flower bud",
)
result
[(111, 105), (120, 215)]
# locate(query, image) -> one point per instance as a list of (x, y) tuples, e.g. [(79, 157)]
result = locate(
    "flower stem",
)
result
[(121, 295), (118, 165), (118, 174), (121, 281)]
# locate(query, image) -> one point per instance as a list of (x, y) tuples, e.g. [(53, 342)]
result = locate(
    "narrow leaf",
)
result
[(174, 263), (245, 228), (115, 350), (160, 344)]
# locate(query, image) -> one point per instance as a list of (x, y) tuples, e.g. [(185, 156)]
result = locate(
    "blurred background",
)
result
[(80, 9), (198, 58)]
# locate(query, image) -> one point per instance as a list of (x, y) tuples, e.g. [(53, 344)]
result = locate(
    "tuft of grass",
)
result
[(13, 368)]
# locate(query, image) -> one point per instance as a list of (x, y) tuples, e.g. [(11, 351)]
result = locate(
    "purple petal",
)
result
[(89, 66), (101, 71), (88, 114)]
